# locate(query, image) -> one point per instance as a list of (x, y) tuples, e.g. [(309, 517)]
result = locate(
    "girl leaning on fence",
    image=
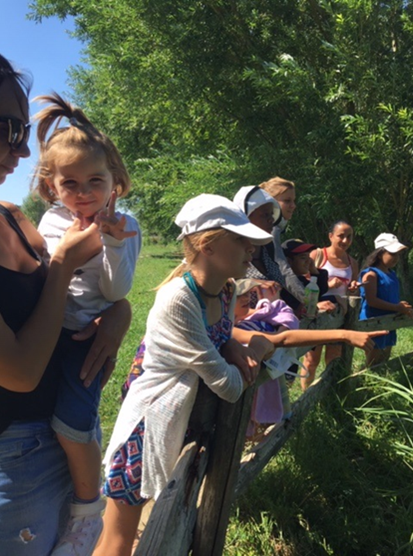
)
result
[(187, 344), (189, 353)]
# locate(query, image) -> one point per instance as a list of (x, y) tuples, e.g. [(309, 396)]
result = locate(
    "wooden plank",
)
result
[(221, 477), (253, 463), (170, 527), (386, 322), (324, 321), (350, 321)]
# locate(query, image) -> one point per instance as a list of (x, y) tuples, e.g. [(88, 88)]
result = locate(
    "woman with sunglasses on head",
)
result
[(34, 477)]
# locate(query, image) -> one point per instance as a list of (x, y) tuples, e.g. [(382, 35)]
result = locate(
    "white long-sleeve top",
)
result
[(104, 279), (178, 353)]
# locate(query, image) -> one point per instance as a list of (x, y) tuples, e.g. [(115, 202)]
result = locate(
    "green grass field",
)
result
[(341, 487)]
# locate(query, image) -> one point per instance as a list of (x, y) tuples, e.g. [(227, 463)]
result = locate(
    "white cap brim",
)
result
[(395, 247), (252, 232)]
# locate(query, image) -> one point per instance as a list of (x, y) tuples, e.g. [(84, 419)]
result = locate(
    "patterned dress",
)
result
[(123, 482)]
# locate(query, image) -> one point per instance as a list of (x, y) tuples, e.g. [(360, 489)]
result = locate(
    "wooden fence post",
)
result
[(169, 530), (221, 477), (350, 322)]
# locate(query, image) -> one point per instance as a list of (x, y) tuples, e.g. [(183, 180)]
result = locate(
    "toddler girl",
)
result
[(81, 169), (268, 316)]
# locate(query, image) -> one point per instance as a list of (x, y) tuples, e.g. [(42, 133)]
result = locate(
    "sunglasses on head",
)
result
[(18, 132)]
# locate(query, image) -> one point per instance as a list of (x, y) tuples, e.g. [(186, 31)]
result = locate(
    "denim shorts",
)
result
[(35, 489), (76, 410)]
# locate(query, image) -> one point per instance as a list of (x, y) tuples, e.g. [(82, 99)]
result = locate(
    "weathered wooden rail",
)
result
[(191, 514)]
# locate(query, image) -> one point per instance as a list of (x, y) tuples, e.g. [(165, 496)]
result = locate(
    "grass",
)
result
[(342, 486)]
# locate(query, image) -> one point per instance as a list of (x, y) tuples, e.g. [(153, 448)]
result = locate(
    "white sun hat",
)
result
[(244, 285), (389, 242), (251, 197), (207, 211)]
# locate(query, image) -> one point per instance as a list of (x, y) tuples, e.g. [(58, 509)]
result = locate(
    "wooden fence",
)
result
[(192, 512)]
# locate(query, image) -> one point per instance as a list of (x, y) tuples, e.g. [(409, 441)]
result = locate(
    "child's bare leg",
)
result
[(310, 362), (377, 356), (120, 522), (84, 465)]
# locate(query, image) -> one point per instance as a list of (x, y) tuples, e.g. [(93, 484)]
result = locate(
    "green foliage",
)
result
[(394, 402), (316, 91), (34, 207), (340, 487), (154, 264)]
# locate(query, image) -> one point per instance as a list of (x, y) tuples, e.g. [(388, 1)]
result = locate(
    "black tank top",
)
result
[(19, 294)]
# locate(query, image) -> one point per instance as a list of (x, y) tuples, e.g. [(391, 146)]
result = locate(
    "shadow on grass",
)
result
[(339, 488)]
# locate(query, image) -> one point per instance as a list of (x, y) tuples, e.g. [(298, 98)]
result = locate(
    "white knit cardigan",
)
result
[(178, 352)]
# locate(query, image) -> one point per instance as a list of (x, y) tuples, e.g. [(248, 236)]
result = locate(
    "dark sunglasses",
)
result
[(19, 132)]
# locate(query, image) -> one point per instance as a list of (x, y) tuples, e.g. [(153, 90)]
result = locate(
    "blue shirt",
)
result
[(388, 290)]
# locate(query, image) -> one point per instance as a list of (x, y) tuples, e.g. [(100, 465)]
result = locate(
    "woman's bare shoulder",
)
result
[(27, 227), (14, 209)]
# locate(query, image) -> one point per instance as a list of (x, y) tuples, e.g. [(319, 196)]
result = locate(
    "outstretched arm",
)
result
[(299, 338)]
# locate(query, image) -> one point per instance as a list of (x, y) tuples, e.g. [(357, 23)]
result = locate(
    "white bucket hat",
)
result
[(389, 242), (207, 211), (244, 285), (251, 197)]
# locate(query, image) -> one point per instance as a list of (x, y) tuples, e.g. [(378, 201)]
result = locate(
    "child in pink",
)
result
[(271, 317)]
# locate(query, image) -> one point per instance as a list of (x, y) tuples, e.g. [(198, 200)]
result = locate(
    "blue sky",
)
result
[(46, 50)]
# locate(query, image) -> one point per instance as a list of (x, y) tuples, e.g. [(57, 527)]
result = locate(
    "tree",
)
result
[(317, 91), (34, 207)]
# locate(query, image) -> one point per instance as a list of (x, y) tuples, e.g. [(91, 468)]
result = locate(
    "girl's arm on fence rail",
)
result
[(248, 359), (370, 289), (300, 338)]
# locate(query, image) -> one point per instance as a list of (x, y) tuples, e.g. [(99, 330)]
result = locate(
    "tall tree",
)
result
[(317, 91)]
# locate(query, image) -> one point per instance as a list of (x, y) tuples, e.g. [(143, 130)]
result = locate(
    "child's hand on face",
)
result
[(268, 290), (109, 223)]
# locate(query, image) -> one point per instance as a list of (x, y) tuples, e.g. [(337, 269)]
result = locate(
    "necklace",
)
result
[(204, 292)]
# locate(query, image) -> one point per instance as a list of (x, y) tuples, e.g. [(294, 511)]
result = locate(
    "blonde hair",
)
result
[(80, 136), (192, 247), (277, 186)]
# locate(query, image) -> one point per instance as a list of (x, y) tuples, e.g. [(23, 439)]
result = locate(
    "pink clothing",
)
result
[(277, 313), (267, 406)]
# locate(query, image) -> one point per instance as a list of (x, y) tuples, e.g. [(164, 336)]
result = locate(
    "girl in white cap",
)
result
[(380, 293), (187, 333), (188, 355)]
